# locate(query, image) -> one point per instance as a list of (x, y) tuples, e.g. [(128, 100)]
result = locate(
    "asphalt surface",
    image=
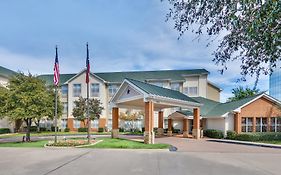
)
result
[(193, 157)]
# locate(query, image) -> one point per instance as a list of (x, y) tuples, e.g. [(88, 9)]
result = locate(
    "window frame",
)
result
[(93, 93), (76, 91)]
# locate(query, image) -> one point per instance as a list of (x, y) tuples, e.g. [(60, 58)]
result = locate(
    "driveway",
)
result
[(195, 157)]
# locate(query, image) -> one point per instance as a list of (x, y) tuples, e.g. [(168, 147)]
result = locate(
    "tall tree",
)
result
[(27, 98), (240, 93), (251, 29), (80, 109)]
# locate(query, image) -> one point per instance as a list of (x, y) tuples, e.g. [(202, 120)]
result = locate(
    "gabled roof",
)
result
[(213, 109), (6, 72), (160, 91), (118, 77)]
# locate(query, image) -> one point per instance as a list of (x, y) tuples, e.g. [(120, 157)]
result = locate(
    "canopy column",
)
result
[(160, 130), (185, 127), (237, 123), (148, 120), (170, 127), (115, 123), (196, 123)]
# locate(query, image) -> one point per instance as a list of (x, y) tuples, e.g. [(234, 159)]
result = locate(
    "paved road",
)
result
[(201, 157)]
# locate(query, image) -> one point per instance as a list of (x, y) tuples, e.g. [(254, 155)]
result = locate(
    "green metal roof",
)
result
[(173, 75), (6, 72), (113, 77), (49, 78), (212, 108), (160, 91), (230, 106)]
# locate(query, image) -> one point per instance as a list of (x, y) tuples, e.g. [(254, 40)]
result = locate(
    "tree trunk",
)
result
[(28, 124)]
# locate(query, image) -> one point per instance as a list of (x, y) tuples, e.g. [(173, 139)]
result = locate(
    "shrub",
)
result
[(82, 129), (66, 130), (4, 130), (121, 129), (43, 129), (230, 134), (258, 136), (213, 133), (101, 130)]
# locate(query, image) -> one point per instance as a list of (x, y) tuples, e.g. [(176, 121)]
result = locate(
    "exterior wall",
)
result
[(4, 123), (202, 88), (70, 99), (229, 123), (213, 93), (216, 123), (261, 108)]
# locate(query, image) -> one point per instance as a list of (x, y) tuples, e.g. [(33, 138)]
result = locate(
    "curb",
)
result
[(246, 143)]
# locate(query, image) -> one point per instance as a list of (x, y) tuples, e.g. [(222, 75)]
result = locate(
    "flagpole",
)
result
[(56, 105), (88, 116), (56, 114)]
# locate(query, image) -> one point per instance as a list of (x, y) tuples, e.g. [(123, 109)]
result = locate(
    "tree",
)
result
[(3, 100), (130, 118), (253, 30), (80, 109), (27, 98), (50, 107), (240, 93)]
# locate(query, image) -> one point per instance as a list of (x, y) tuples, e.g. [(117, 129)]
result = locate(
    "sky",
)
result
[(123, 35)]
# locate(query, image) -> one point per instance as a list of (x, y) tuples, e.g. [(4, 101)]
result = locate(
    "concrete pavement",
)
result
[(42, 161)]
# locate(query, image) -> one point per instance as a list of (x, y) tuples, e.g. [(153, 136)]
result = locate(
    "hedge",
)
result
[(100, 129), (82, 129), (258, 136), (4, 130), (66, 130), (213, 133)]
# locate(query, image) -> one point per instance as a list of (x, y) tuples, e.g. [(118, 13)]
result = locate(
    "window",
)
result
[(275, 124), (65, 106), (76, 123), (160, 84), (112, 89), (95, 89), (175, 86), (247, 124), (63, 123), (76, 90), (64, 90), (95, 123), (192, 91)]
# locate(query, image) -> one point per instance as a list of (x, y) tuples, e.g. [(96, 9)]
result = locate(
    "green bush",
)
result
[(66, 130), (258, 136), (4, 130), (231, 134), (121, 129), (213, 133), (176, 130), (101, 130), (43, 129), (82, 129)]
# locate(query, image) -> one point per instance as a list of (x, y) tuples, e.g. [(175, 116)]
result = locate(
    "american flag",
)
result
[(87, 66), (56, 69)]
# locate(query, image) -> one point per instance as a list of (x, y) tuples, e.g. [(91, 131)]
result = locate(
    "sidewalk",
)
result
[(246, 143)]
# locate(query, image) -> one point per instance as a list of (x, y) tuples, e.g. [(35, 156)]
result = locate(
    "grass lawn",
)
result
[(272, 142), (106, 143), (126, 144), (40, 143)]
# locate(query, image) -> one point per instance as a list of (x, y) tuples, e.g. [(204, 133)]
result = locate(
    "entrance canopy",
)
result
[(133, 94)]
